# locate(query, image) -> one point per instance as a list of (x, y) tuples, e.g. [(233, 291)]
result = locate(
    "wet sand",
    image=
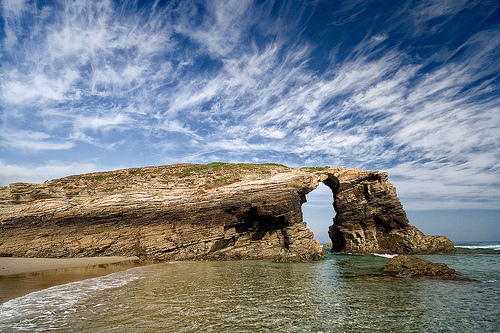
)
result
[(15, 266), (20, 276)]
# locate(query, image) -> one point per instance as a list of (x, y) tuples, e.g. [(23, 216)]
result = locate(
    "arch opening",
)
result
[(318, 212)]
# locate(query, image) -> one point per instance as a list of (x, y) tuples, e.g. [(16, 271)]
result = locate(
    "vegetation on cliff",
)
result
[(205, 211), (197, 178), (183, 211)]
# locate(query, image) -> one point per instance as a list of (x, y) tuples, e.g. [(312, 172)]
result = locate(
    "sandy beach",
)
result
[(16, 266), (20, 276)]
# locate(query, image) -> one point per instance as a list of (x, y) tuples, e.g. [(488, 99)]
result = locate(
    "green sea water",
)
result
[(337, 294)]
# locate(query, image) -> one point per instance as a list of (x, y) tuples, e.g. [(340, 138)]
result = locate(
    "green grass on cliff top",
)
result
[(194, 176), (218, 165), (223, 172)]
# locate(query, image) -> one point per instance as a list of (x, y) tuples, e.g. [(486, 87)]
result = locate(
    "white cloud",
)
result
[(13, 7), (25, 89), (172, 125), (11, 173), (107, 122), (12, 10), (236, 144), (435, 186), (14, 173), (193, 96), (53, 169), (188, 78), (429, 10), (35, 141), (272, 132), (221, 31)]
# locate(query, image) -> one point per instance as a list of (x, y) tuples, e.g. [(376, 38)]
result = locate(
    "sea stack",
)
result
[(371, 219), (194, 211)]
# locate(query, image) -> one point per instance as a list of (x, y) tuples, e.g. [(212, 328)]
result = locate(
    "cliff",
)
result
[(371, 219), (191, 211)]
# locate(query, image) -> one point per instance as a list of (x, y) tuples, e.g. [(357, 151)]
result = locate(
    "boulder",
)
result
[(403, 266)]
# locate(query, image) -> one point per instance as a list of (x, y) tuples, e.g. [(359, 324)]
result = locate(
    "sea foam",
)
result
[(493, 246), (384, 255), (65, 297)]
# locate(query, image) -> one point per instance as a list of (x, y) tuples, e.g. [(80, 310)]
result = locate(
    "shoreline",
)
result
[(13, 266), (21, 276)]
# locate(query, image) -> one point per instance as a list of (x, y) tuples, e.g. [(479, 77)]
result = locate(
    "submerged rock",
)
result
[(403, 266)]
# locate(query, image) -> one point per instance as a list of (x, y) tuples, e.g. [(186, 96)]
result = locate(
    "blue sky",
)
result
[(408, 87)]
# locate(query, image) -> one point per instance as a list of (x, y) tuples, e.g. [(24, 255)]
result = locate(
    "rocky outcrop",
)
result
[(371, 219), (403, 266), (187, 211), (179, 212)]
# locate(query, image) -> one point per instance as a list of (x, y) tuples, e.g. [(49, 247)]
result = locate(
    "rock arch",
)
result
[(370, 217), (218, 211)]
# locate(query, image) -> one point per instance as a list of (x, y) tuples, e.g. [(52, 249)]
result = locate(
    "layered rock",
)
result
[(214, 211), (371, 219)]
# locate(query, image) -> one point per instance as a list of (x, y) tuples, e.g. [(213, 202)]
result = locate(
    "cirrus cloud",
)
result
[(408, 87)]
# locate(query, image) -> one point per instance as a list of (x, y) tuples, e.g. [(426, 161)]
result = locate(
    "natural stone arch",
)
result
[(370, 217), (187, 211)]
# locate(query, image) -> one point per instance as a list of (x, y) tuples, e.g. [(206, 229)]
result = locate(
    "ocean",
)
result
[(337, 294)]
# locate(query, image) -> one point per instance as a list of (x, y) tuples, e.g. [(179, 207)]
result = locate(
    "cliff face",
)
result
[(163, 213), (371, 219), (214, 211)]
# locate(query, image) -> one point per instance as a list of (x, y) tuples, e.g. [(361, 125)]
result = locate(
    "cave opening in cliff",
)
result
[(318, 212)]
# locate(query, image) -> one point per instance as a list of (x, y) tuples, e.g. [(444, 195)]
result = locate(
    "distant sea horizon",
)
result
[(479, 245), (487, 245)]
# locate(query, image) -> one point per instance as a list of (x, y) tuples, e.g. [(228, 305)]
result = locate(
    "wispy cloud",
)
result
[(14, 173), (412, 89), (10, 173), (34, 141), (219, 27), (104, 122)]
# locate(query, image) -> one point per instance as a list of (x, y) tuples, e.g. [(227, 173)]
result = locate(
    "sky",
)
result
[(407, 87)]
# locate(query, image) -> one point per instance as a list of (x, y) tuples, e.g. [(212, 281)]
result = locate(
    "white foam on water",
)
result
[(490, 247), (384, 255), (65, 297)]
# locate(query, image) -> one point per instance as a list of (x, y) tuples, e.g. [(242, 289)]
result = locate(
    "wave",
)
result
[(482, 246), (63, 297), (384, 255)]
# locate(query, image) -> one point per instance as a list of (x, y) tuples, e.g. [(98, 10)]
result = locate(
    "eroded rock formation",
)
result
[(403, 266), (186, 211), (163, 213), (371, 219)]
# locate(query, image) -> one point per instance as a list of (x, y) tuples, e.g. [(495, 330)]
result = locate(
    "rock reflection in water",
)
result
[(336, 294), (258, 296)]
